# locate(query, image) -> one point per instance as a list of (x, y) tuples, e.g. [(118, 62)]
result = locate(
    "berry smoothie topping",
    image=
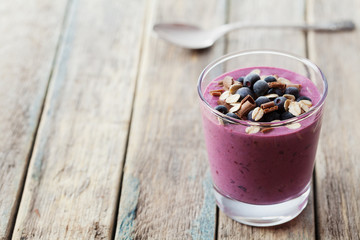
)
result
[(252, 129), (270, 109), (227, 82), (293, 91), (294, 85), (247, 104), (305, 105), (240, 80), (233, 115), (222, 109), (257, 114), (261, 87), (235, 108), (283, 80), (250, 79), (270, 79), (289, 96), (245, 91), (266, 129), (293, 126), (233, 98), (260, 98), (303, 98), (235, 87), (277, 85), (216, 92), (295, 109), (272, 95), (267, 105)]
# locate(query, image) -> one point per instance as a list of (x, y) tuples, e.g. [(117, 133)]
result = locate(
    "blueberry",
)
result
[(279, 101), (277, 91), (286, 115), (271, 116), (293, 91), (221, 108), (250, 79), (244, 91), (303, 98), (249, 116), (260, 100), (260, 87), (270, 79), (240, 79), (233, 115)]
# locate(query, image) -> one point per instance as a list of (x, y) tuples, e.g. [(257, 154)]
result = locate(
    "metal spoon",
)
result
[(192, 37)]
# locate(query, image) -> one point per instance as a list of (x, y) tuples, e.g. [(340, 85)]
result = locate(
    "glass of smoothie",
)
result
[(261, 113)]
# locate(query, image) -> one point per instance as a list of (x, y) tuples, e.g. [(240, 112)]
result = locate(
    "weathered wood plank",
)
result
[(264, 11), (166, 191), (337, 168), (29, 33), (72, 188)]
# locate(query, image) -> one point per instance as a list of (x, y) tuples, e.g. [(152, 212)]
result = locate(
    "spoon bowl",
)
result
[(184, 35)]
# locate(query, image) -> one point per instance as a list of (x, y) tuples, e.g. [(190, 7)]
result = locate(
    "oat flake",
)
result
[(235, 108), (295, 109), (252, 129), (294, 126), (233, 98), (257, 114), (224, 95), (257, 71)]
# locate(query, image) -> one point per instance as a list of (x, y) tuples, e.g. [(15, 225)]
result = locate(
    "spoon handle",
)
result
[(325, 27)]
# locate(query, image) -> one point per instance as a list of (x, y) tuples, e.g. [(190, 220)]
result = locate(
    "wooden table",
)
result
[(100, 128)]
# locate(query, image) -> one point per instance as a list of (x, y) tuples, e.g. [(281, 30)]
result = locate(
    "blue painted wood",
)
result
[(127, 212), (203, 227), (76, 167), (29, 34)]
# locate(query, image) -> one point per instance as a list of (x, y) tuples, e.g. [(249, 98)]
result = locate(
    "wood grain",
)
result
[(337, 168), (166, 190), (275, 11), (72, 188), (29, 34)]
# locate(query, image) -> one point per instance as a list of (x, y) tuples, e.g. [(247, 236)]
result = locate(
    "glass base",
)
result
[(262, 215)]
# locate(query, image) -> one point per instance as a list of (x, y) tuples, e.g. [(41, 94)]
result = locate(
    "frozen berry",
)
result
[(270, 79), (303, 98), (221, 108), (286, 115), (250, 79), (293, 91), (260, 100), (233, 115), (260, 87), (240, 79), (244, 91), (280, 101), (249, 116), (271, 116), (277, 91)]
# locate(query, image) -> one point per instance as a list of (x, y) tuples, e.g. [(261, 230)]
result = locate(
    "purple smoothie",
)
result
[(262, 168)]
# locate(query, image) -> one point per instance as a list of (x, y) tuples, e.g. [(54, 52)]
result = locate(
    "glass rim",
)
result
[(229, 56)]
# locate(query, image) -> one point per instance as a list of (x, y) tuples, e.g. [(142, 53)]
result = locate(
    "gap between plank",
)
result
[(317, 233), (225, 51), (139, 64), (217, 221), (306, 35), (227, 20), (35, 134), (307, 55)]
